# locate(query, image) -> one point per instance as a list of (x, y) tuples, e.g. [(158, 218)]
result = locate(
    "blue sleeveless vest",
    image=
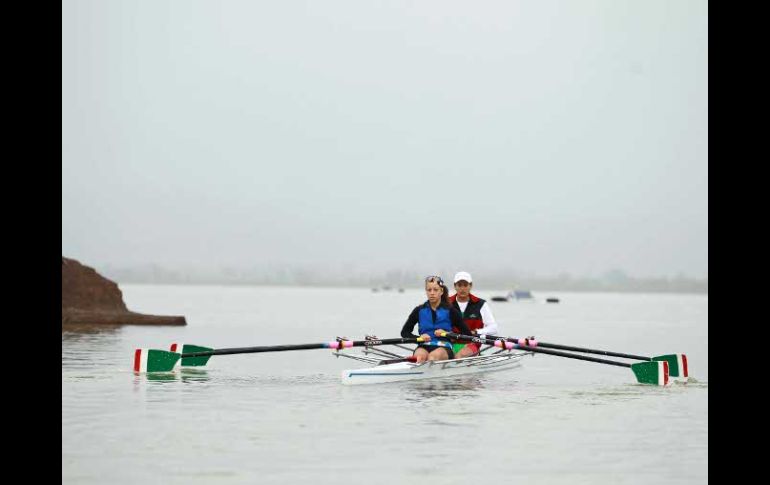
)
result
[(426, 323)]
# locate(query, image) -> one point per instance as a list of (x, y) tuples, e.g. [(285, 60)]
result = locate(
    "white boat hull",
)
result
[(408, 371)]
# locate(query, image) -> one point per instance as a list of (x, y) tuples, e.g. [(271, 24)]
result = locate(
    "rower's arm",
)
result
[(490, 325), (459, 323), (411, 321)]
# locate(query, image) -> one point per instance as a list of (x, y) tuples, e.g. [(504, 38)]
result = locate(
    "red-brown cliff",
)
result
[(88, 297)]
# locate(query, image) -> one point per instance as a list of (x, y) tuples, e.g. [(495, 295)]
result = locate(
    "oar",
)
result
[(155, 360), (655, 373), (677, 363), (411, 359)]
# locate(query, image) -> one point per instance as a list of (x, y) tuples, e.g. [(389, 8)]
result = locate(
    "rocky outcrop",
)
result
[(88, 297)]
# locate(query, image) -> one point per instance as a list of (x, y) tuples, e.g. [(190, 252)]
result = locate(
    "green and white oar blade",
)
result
[(654, 373), (154, 360), (188, 349), (677, 366)]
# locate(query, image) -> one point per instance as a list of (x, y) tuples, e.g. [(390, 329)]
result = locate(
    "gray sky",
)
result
[(545, 136)]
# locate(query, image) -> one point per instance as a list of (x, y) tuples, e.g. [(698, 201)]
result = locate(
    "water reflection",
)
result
[(194, 375), (76, 331), (184, 375), (455, 387), (89, 346), (161, 376)]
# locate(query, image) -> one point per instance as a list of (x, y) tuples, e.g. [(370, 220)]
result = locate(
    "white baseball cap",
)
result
[(463, 276)]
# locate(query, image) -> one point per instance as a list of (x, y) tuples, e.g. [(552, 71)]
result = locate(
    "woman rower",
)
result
[(432, 316)]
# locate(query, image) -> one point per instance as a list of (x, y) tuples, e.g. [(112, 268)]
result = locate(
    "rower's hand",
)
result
[(425, 337)]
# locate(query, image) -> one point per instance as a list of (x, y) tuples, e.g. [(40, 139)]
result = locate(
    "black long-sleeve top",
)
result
[(414, 319)]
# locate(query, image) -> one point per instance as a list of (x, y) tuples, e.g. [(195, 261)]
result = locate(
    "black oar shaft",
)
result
[(576, 356), (281, 348), (584, 350), (253, 350), (490, 341)]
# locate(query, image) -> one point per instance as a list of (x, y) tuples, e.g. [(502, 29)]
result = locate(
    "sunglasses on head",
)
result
[(437, 279)]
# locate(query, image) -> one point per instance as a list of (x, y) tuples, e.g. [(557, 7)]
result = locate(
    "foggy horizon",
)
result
[(336, 271), (538, 138), (498, 279)]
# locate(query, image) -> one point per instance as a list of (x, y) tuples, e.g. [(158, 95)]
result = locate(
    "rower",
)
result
[(476, 314), (433, 316)]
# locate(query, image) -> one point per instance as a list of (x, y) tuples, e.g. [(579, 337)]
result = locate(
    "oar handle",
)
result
[(501, 343), (337, 344)]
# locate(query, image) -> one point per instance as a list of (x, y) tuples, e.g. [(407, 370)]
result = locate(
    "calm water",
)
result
[(285, 418)]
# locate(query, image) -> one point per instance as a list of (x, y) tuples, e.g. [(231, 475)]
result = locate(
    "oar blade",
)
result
[(154, 360), (677, 366), (655, 373), (188, 349)]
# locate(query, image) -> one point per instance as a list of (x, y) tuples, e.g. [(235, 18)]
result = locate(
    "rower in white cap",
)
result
[(475, 311)]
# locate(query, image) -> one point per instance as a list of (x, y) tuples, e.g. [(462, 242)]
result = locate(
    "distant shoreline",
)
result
[(615, 281), (534, 289)]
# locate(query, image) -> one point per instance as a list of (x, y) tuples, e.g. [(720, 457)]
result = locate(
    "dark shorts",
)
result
[(431, 348)]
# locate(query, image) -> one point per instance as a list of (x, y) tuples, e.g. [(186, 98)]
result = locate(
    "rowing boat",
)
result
[(392, 367)]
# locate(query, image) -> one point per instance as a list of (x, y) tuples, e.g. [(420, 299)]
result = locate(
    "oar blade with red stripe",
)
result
[(154, 360), (677, 366)]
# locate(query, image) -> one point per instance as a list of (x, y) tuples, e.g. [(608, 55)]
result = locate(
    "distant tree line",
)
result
[(614, 280)]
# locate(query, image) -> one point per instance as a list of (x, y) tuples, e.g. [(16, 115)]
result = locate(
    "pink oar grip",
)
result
[(345, 344)]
